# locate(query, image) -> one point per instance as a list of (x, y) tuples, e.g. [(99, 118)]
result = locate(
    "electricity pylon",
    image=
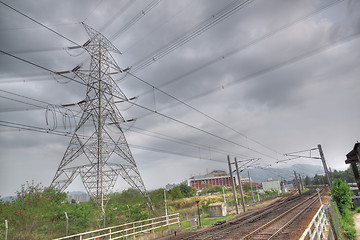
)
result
[(98, 150)]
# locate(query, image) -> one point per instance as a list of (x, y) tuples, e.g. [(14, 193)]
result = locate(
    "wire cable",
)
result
[(135, 19), (145, 108), (32, 19), (221, 15)]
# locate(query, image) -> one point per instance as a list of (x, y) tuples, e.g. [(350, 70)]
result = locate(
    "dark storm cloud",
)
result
[(269, 110)]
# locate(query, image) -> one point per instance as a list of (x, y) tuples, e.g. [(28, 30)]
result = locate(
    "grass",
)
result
[(206, 221), (347, 224)]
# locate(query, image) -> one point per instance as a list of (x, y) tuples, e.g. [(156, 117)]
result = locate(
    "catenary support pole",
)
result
[(224, 199), (233, 186), (301, 183), (240, 185), (166, 209), (324, 164), (297, 182), (251, 189)]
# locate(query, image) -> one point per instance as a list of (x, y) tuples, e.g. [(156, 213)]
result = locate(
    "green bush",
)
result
[(341, 194)]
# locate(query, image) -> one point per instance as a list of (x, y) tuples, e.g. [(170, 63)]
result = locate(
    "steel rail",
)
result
[(245, 218), (248, 216), (282, 216)]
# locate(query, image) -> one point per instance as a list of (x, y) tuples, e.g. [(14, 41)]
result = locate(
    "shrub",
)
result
[(342, 194)]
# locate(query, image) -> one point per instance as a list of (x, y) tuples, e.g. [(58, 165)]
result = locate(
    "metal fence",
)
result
[(317, 227), (127, 230)]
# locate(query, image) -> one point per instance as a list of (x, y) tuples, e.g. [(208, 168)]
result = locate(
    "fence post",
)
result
[(134, 231), (310, 234), (6, 229), (317, 230), (67, 223)]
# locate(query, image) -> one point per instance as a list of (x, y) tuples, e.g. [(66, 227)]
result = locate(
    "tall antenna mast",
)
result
[(98, 150)]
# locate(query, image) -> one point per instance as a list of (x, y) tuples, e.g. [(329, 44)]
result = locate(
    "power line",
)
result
[(287, 62), (292, 60), (249, 44), (157, 28), (135, 19), (202, 130), (202, 113), (183, 142), (117, 14), (32, 19), (161, 136), (208, 23), (68, 134), (143, 107)]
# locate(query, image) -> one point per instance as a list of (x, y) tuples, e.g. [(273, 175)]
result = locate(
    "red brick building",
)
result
[(215, 178)]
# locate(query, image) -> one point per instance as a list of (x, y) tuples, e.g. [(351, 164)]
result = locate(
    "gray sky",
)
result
[(273, 77)]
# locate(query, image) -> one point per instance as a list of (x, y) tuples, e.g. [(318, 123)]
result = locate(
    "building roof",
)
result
[(353, 155)]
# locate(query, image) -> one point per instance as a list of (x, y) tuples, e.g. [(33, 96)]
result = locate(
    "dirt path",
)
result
[(357, 225)]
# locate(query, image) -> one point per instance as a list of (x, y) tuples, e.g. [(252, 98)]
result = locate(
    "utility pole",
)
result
[(233, 186), (257, 191), (324, 165), (297, 182), (224, 198), (129, 212), (240, 185), (251, 189), (301, 183), (166, 208)]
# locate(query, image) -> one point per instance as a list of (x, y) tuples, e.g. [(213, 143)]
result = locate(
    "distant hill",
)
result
[(78, 196), (262, 174), (8, 198)]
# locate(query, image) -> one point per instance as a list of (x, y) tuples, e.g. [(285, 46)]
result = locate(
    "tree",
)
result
[(307, 181), (175, 193), (187, 191)]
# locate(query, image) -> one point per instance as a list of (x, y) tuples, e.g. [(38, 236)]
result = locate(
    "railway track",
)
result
[(274, 227), (259, 220)]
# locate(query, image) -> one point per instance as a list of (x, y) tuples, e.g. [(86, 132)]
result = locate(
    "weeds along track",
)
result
[(256, 221)]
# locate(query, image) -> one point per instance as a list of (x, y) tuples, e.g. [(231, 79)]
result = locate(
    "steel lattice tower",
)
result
[(98, 150)]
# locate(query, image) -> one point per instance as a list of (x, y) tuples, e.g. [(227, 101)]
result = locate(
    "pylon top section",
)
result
[(98, 37)]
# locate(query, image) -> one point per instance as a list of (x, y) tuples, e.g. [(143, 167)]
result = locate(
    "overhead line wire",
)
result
[(201, 112), (163, 136), (254, 42), (135, 19), (68, 134), (152, 4), (32, 19), (155, 29), (73, 79), (269, 69), (197, 30), (146, 108), (183, 142)]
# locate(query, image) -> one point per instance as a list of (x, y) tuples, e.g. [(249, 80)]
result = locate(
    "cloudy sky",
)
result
[(252, 79)]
